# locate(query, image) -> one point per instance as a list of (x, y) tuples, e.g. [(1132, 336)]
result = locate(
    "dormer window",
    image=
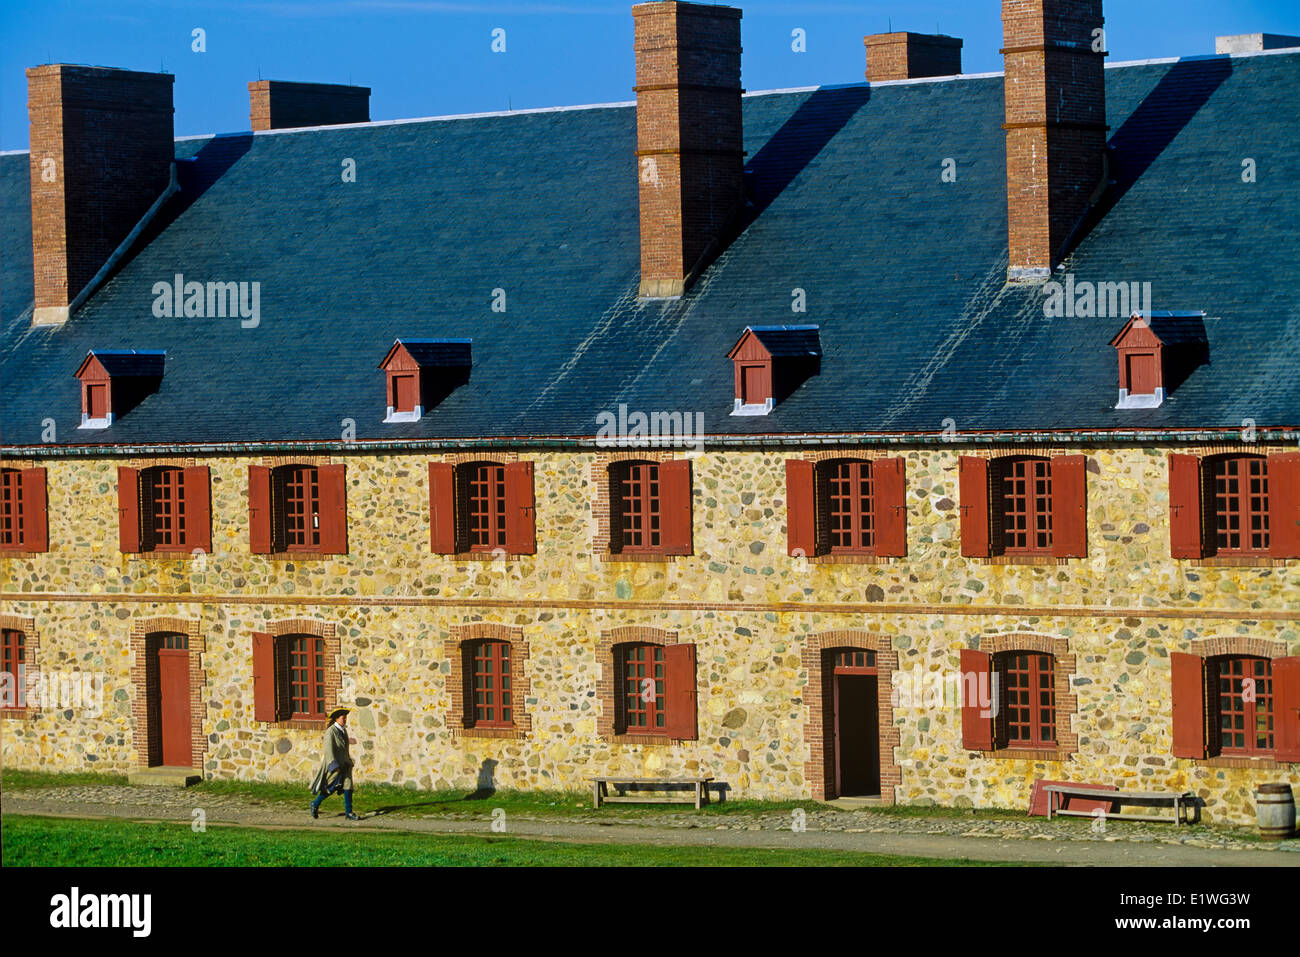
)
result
[(421, 373), (1156, 353), (114, 381), (770, 362)]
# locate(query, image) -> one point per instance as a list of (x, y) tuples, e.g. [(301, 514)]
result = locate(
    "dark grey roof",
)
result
[(454, 353), (903, 272), (146, 363), (788, 341), (1181, 330)]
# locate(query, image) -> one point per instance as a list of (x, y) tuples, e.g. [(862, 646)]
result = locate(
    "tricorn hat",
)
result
[(336, 712)]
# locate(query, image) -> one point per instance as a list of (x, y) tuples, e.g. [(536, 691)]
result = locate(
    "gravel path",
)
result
[(1069, 841)]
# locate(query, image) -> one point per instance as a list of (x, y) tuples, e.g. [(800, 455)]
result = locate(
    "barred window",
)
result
[(1028, 690), (1240, 488)]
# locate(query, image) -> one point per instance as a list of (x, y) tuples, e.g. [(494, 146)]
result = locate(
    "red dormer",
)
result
[(420, 373), (114, 381), (1155, 354), (769, 363)]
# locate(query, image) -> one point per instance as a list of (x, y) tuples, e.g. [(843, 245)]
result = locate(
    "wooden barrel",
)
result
[(1275, 809)]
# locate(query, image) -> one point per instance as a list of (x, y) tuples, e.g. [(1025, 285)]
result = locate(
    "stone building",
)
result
[(916, 438)]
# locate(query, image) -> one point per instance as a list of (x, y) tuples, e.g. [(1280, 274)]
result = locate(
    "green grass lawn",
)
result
[(64, 842)]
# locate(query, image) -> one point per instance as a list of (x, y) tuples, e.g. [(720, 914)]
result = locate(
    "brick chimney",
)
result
[(908, 56), (277, 105), (101, 162), (1055, 123), (690, 159)]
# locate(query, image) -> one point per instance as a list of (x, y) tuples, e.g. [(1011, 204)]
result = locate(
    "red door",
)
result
[(404, 386), (174, 700), (1143, 377)]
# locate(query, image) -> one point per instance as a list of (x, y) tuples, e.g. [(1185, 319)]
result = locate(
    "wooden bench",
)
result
[(600, 790), (1181, 801)]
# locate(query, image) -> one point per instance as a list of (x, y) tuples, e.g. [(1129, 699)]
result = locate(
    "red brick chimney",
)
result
[(1056, 126), (908, 56), (690, 160), (101, 161), (277, 105)]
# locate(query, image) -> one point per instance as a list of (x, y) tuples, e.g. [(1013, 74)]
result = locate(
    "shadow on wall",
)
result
[(486, 785)]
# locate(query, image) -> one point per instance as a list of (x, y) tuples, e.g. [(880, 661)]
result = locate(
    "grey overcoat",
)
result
[(334, 750)]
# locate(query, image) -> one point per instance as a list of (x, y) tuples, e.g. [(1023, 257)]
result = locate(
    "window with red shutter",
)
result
[(128, 509), (1024, 504), (1244, 705), (1188, 692), (483, 505), (1186, 538), (801, 508), (265, 697), (13, 660), (1240, 512), (650, 508), (644, 700), (302, 685), (163, 518), (1027, 700), (973, 478), (260, 510), (442, 508), (296, 508), (1284, 504), (491, 697), (977, 704), (521, 511), (24, 520), (1286, 708)]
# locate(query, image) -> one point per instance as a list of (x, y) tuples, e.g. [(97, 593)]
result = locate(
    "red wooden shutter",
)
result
[(976, 715), (198, 508), (332, 481), (442, 507), (675, 507), (128, 509), (1286, 707), (264, 696), (36, 519), (973, 473), (889, 483), (679, 688), (1185, 540), (1070, 506), (521, 528), (800, 508), (259, 510), (1188, 691), (1284, 504)]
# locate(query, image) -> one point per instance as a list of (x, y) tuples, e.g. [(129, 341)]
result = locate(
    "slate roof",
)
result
[(146, 363), (453, 353), (903, 273), (788, 341)]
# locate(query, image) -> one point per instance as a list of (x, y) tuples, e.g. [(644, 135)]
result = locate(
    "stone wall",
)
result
[(751, 610)]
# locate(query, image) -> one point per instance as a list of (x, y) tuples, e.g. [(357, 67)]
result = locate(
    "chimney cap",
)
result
[(1254, 42)]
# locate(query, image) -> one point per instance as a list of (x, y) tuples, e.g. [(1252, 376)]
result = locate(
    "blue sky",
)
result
[(425, 58)]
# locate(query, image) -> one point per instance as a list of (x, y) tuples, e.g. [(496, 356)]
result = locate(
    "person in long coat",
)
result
[(335, 772)]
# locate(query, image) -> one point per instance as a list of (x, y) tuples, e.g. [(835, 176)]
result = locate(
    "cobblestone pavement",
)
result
[(1066, 841)]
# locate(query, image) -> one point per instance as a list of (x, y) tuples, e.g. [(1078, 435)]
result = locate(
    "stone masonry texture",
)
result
[(761, 622)]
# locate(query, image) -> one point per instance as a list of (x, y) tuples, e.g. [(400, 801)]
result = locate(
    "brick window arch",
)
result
[(647, 687), (150, 634), (643, 506), (296, 677), (821, 656), (1036, 709), (488, 684), (1235, 702), (21, 662)]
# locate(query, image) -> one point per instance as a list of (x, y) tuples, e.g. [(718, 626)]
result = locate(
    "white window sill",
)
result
[(404, 416), (1127, 401), (763, 409)]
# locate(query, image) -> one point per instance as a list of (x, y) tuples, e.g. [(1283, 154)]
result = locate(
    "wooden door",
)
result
[(174, 701), (405, 398), (1143, 376)]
